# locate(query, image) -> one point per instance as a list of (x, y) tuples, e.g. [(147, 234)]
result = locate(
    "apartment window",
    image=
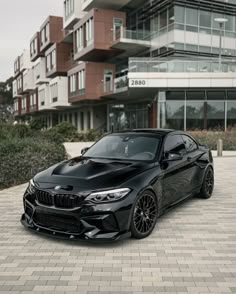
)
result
[(73, 83), (31, 48), (31, 99), (45, 34), (68, 8), (79, 39), (48, 62), (35, 44), (108, 81), (54, 92), (23, 103), (16, 106), (89, 31), (53, 59), (42, 97), (81, 82), (19, 83)]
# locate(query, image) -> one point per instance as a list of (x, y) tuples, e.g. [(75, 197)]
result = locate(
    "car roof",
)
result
[(160, 132)]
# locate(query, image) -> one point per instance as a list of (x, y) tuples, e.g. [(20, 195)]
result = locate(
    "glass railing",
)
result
[(131, 35), (121, 83), (181, 65)]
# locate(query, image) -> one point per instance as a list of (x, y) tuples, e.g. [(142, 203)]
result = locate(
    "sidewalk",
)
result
[(192, 250)]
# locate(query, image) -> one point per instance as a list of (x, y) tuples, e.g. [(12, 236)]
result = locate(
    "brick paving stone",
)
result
[(192, 250)]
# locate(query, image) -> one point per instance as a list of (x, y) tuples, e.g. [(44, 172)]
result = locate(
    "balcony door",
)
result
[(108, 81), (117, 28)]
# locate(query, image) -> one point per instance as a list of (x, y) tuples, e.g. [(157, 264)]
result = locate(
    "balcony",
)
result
[(178, 73), (90, 81), (44, 98), (58, 59), (35, 47), (19, 85), (131, 42), (87, 5), (25, 104), (72, 13), (33, 101), (25, 62), (17, 107), (58, 93), (17, 66), (51, 32), (40, 72), (28, 80), (92, 35), (14, 89), (121, 84)]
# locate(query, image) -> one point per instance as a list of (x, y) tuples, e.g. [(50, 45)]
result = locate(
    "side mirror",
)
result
[(84, 150), (170, 156)]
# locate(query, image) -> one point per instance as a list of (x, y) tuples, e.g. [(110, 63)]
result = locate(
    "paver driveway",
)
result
[(193, 249)]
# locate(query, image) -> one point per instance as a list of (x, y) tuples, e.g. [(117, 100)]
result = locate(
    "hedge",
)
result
[(210, 139), (21, 159)]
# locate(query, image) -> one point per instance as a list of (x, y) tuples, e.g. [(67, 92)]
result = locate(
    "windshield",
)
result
[(125, 146)]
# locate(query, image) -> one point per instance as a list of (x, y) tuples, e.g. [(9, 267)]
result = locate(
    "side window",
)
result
[(175, 144), (190, 145)]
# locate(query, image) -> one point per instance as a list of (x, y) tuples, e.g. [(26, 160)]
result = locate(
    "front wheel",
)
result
[(207, 184), (144, 215)]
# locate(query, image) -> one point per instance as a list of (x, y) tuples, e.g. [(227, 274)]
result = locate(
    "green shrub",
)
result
[(17, 131), (89, 136), (210, 139), (21, 159), (36, 124), (66, 130), (52, 135)]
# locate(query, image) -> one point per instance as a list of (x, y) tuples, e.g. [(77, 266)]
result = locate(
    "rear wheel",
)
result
[(144, 215), (207, 184)]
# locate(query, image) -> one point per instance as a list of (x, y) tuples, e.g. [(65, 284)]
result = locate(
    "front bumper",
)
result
[(88, 222)]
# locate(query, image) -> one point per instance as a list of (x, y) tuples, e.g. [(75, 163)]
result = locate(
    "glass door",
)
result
[(117, 28)]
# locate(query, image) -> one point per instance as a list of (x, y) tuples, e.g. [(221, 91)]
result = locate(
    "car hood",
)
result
[(90, 174)]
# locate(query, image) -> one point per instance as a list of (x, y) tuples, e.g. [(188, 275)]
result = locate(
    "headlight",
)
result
[(31, 188), (108, 196)]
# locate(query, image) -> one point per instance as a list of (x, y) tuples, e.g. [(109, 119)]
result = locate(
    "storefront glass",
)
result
[(128, 116), (198, 110)]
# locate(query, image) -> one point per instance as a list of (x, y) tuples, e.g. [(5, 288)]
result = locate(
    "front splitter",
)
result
[(84, 236)]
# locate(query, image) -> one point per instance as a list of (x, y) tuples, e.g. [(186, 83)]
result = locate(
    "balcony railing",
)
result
[(181, 65), (123, 33), (121, 84)]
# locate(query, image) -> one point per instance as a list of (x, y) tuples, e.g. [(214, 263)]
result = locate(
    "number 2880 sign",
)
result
[(135, 83)]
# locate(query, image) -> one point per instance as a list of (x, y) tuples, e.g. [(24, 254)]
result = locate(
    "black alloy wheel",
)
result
[(208, 184), (144, 215)]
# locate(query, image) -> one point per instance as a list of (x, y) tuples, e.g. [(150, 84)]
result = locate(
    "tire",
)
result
[(207, 184), (144, 215)]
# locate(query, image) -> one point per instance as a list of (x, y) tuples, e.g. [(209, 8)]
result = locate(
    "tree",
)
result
[(6, 101)]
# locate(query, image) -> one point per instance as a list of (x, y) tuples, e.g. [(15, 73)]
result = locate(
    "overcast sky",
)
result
[(19, 21)]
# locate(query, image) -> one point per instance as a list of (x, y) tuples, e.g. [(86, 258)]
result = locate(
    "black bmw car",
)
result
[(118, 187)]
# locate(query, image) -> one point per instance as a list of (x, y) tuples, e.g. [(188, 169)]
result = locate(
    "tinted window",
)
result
[(125, 146), (189, 144), (174, 144)]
